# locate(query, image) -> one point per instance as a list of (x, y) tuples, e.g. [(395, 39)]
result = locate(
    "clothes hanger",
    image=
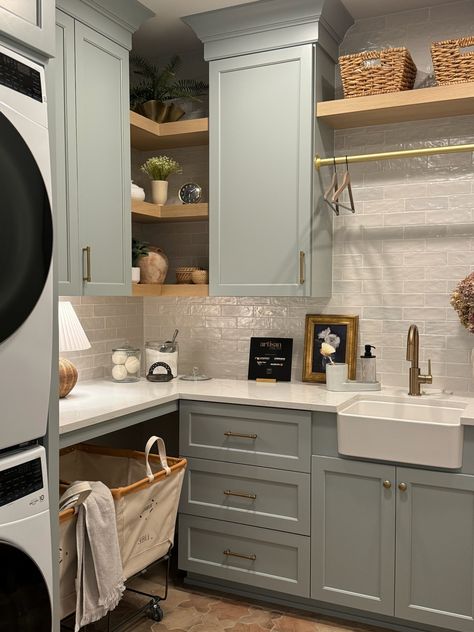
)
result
[(328, 195), (346, 184)]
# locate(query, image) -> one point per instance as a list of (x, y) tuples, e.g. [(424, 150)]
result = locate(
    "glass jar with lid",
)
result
[(126, 364), (161, 351)]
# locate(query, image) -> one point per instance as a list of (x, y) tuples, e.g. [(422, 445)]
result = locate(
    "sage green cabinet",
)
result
[(31, 24), (91, 145), (353, 534), (394, 540), (435, 549), (261, 118)]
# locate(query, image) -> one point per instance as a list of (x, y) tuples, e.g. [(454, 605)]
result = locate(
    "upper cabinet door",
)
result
[(435, 549), (29, 23), (64, 158), (103, 162), (261, 122)]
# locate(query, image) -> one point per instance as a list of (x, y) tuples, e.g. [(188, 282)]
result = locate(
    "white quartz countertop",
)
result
[(96, 401)]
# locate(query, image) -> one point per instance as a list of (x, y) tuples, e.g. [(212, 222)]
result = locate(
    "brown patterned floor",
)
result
[(193, 610)]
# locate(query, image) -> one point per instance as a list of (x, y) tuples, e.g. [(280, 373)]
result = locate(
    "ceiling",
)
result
[(166, 33)]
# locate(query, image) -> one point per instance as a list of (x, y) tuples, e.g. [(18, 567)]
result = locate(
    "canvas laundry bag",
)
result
[(145, 488)]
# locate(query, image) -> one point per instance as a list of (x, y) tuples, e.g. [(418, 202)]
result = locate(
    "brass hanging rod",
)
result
[(387, 155)]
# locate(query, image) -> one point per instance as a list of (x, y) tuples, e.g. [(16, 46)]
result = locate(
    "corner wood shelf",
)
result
[(145, 134), (146, 213), (180, 289), (396, 107)]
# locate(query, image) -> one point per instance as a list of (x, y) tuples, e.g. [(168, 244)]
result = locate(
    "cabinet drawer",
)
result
[(253, 435), (257, 496), (250, 555)]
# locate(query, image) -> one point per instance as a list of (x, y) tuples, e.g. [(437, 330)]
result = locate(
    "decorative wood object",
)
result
[(145, 213), (67, 377), (145, 134)]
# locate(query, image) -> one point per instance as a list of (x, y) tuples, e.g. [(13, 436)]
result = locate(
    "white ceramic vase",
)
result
[(159, 191), (135, 275)]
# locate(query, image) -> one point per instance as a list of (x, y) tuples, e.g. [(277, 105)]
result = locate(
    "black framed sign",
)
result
[(270, 359)]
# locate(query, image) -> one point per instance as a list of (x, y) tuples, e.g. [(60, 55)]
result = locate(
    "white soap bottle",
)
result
[(367, 363)]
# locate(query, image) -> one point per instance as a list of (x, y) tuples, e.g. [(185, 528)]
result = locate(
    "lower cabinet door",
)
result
[(353, 534), (248, 555), (435, 549)]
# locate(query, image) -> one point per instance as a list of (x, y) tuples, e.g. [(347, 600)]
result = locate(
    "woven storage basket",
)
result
[(361, 76), (184, 274), (450, 64)]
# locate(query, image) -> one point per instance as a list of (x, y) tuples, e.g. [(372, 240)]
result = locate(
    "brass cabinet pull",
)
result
[(387, 484), (402, 487), (87, 276), (229, 492), (302, 279), (251, 557), (229, 433)]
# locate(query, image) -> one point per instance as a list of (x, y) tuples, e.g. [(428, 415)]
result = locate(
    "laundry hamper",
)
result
[(146, 490)]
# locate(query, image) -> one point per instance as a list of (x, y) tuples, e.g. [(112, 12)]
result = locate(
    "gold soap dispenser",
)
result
[(368, 366)]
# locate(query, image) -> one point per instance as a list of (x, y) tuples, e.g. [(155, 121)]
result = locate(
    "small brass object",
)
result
[(302, 265), (229, 492), (387, 484), (229, 433), (87, 276), (251, 557), (402, 487)]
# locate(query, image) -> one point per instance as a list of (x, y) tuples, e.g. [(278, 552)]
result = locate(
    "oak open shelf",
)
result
[(180, 289), (146, 213), (145, 134), (397, 107)]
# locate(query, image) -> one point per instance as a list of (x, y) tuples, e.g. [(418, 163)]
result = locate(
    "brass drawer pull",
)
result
[(87, 276), (238, 434), (229, 492), (387, 484), (251, 557)]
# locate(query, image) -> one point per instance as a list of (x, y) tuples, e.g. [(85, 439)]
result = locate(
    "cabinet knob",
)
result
[(387, 484), (402, 487)]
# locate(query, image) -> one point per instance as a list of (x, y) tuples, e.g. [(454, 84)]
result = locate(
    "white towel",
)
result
[(99, 581)]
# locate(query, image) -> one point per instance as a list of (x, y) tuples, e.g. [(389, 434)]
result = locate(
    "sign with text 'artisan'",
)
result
[(270, 359)]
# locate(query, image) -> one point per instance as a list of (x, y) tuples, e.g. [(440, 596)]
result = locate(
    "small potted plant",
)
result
[(158, 169), (139, 250)]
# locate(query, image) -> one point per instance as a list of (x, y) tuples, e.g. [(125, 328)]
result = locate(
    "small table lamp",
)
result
[(71, 338)]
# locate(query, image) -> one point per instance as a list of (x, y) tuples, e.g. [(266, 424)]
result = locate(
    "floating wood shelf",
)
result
[(397, 107), (145, 134), (146, 213), (180, 289)]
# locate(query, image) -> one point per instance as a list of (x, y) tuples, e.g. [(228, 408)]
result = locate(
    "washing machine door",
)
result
[(25, 604), (26, 232)]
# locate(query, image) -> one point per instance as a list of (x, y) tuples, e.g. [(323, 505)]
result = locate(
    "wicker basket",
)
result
[(184, 274), (376, 72), (450, 64)]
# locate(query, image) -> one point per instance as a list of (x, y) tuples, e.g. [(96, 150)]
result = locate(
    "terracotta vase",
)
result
[(154, 267), (159, 191)]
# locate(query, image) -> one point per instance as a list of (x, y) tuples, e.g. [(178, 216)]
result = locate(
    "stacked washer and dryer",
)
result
[(25, 346)]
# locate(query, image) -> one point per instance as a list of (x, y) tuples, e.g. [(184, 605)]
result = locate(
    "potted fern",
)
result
[(158, 169), (152, 94), (139, 250)]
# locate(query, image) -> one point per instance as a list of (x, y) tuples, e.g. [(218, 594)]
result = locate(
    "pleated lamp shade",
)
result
[(71, 338)]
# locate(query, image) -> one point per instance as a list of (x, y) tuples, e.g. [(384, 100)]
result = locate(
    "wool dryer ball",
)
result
[(119, 357), (119, 372), (132, 364)]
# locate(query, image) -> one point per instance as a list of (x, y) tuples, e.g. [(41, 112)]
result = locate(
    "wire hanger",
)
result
[(346, 184)]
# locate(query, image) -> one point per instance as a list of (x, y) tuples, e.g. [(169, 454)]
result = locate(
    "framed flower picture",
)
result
[(340, 332)]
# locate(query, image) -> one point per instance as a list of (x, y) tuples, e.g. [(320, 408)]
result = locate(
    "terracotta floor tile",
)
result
[(230, 610), (182, 618), (261, 617), (202, 603), (244, 627), (295, 624)]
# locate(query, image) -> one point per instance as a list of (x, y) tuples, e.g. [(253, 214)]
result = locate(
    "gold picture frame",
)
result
[(339, 331)]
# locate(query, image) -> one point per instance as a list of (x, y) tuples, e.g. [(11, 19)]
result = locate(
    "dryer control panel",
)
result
[(20, 77), (20, 480)]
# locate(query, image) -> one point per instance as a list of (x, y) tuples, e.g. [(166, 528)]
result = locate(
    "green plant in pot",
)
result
[(158, 169), (158, 85), (139, 250)]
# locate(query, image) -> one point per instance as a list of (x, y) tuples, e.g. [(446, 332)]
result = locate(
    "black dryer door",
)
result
[(26, 231), (25, 605)]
